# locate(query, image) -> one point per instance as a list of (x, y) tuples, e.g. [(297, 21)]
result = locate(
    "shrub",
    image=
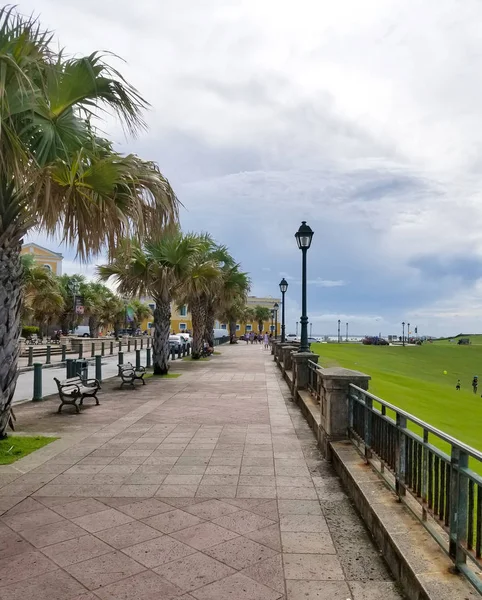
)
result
[(29, 330)]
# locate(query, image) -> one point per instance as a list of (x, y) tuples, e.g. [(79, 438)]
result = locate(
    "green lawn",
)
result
[(168, 376), (15, 447), (412, 378)]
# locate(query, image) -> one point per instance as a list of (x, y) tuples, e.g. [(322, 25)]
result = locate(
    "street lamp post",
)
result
[(272, 320), (276, 306), (408, 333), (403, 333), (347, 332), (283, 286), (296, 328), (303, 236), (339, 323)]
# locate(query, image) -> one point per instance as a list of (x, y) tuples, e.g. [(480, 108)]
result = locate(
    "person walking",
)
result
[(457, 387), (266, 341), (475, 383)]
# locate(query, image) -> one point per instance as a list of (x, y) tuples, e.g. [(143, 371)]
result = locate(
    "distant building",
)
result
[(180, 317), (48, 259), (253, 302)]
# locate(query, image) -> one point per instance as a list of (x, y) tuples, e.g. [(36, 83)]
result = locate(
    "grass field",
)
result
[(15, 447), (412, 377)]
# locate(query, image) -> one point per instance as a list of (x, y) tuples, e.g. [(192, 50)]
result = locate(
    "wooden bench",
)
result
[(129, 374), (76, 388)]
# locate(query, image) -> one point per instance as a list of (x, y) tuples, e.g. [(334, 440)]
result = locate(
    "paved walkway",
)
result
[(205, 487)]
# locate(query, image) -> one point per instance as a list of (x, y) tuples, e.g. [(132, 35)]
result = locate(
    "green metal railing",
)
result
[(434, 474)]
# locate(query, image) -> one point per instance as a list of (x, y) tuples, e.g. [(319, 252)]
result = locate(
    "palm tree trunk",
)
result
[(198, 314), (209, 333), (232, 331), (11, 284), (160, 339)]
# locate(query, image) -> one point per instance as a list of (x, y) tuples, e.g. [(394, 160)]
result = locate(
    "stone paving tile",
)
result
[(194, 571), (53, 533), (299, 507), (78, 508), (236, 586), (144, 586), (174, 520), (268, 536), (128, 534), (179, 491), (312, 590), (204, 536), (144, 508), (243, 522), (23, 566), (321, 567), (158, 551), (76, 550), (240, 552), (307, 543), (55, 585), (268, 572), (216, 491), (102, 570), (102, 520), (211, 509), (34, 518)]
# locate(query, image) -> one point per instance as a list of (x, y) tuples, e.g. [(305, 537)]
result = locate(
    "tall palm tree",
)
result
[(43, 300), (232, 295), (56, 172), (261, 314), (141, 312), (68, 318), (196, 290), (154, 269)]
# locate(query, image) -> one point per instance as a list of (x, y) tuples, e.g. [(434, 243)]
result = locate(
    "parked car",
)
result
[(82, 331), (178, 341), (291, 337)]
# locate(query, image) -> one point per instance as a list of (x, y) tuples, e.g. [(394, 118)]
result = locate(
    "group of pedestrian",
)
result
[(259, 338)]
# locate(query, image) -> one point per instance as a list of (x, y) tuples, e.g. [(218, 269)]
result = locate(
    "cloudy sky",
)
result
[(363, 118)]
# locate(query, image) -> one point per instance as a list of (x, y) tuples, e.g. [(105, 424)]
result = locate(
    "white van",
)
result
[(82, 331), (219, 333)]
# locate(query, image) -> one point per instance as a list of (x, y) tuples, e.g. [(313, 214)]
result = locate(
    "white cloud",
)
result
[(362, 117), (318, 282)]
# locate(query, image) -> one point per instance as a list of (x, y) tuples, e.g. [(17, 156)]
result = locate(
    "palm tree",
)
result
[(43, 300), (56, 173), (154, 269), (113, 313), (68, 318), (232, 296), (261, 314), (96, 303), (141, 312), (196, 290)]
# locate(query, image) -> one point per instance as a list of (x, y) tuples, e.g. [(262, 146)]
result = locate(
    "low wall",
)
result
[(416, 560)]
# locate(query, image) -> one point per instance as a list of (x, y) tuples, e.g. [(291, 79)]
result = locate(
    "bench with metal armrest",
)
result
[(76, 389), (130, 374)]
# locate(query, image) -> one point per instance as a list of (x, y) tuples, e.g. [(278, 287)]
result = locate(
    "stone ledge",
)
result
[(414, 557)]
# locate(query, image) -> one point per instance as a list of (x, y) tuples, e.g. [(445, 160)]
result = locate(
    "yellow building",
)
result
[(180, 317), (253, 302), (50, 260)]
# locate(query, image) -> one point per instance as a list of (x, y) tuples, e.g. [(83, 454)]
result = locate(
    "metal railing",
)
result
[(314, 381), (434, 474)]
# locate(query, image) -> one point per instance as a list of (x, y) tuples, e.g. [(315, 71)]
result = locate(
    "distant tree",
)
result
[(261, 314)]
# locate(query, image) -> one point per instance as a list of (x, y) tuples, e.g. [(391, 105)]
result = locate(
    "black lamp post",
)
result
[(408, 333), (296, 328), (311, 329), (283, 286), (272, 320), (276, 306), (339, 323), (347, 332), (403, 333), (303, 236)]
